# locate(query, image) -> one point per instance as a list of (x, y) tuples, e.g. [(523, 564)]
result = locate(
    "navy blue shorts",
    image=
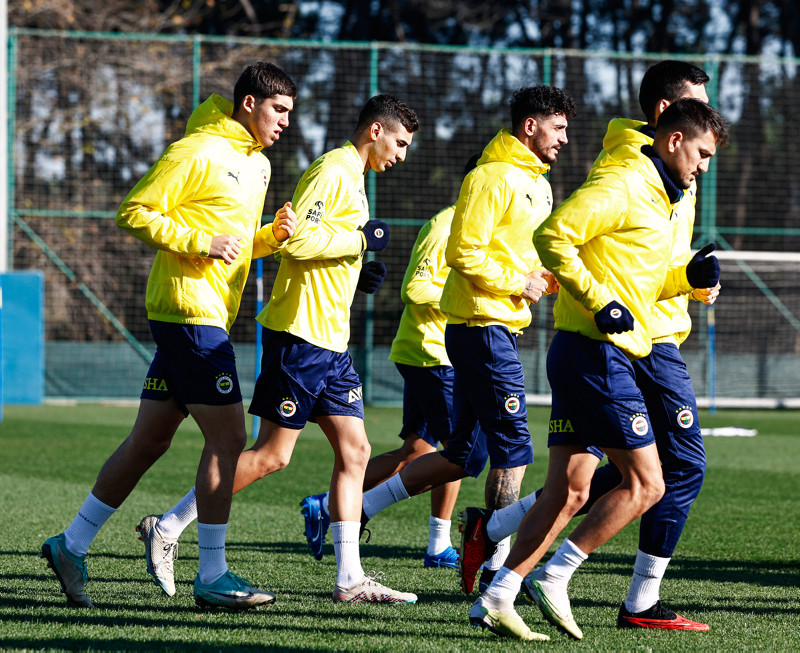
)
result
[(194, 364), (491, 418), (427, 402), (668, 392), (596, 402), (300, 382)]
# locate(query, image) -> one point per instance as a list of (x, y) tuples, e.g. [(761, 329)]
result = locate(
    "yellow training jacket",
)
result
[(669, 320), (211, 182), (321, 262), (420, 336), (612, 240), (490, 249)]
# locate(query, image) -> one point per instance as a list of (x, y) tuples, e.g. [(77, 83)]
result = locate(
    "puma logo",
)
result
[(236, 177)]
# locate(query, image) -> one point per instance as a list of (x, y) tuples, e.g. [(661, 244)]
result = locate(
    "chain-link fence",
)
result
[(91, 112)]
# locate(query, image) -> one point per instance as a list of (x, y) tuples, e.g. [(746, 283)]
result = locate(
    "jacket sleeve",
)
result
[(265, 242), (316, 239), (427, 270), (675, 283), (146, 211), (594, 209), (478, 211)]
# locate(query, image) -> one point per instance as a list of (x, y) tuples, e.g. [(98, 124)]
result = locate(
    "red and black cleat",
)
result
[(657, 617)]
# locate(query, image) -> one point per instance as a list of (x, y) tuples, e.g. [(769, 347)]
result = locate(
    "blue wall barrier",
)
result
[(22, 327)]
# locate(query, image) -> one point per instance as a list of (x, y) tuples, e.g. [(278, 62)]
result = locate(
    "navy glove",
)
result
[(613, 318), (376, 233), (371, 277), (702, 271)]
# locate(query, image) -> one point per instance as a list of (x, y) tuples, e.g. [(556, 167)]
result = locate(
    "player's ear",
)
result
[(248, 103), (530, 126), (375, 130)]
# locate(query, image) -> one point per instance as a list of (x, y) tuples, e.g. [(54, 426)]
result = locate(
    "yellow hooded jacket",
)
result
[(669, 321), (321, 262), (420, 336), (213, 181), (490, 249), (612, 240)]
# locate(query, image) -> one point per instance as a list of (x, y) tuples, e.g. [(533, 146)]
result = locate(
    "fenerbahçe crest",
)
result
[(512, 404), (287, 408), (685, 417), (639, 424), (224, 383)]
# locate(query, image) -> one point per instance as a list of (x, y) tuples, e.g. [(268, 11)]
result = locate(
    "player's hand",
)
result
[(371, 277), (376, 233), (285, 223), (536, 285), (613, 318), (706, 295), (552, 283), (702, 271), (225, 247)]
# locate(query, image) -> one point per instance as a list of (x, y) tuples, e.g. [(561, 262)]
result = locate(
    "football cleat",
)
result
[(160, 553), (317, 523), (657, 617), (369, 590), (486, 578), (69, 569), (476, 546), (447, 558), (559, 616), (505, 623), (231, 592)]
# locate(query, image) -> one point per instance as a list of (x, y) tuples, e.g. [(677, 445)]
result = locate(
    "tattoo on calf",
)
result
[(502, 488)]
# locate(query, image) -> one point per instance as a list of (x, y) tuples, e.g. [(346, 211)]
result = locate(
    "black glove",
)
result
[(702, 271), (371, 277), (613, 318), (376, 233)]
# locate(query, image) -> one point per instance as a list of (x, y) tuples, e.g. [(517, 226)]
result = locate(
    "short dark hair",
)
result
[(540, 102), (693, 117), (262, 80), (667, 80), (471, 163), (389, 111)]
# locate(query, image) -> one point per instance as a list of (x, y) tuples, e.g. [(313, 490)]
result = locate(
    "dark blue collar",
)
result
[(674, 193), (647, 130)]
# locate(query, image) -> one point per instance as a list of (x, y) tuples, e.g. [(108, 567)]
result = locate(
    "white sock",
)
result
[(175, 520), (505, 586), (325, 503), (211, 542), (646, 582), (438, 535), (505, 521), (499, 557), (348, 557), (87, 523), (556, 574), (384, 495)]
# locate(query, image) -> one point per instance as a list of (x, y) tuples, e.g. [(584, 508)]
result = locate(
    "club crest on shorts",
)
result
[(513, 404), (287, 408), (615, 313), (685, 417), (224, 384), (354, 395), (639, 424)]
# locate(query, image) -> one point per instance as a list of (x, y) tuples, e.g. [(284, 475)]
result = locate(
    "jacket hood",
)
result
[(507, 148), (214, 117)]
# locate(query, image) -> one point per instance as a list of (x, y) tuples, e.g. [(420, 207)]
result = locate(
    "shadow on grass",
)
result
[(768, 573)]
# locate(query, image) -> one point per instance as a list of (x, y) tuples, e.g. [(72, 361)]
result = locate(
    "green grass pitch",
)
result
[(737, 566)]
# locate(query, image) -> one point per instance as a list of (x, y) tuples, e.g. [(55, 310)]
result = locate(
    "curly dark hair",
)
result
[(540, 101)]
